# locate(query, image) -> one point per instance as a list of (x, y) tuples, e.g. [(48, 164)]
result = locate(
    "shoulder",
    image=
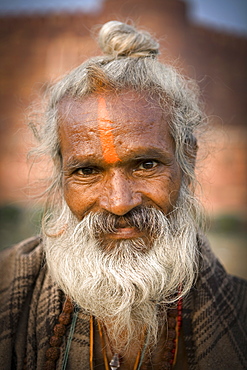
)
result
[(221, 289), (215, 315), (23, 259), (215, 280), (20, 267)]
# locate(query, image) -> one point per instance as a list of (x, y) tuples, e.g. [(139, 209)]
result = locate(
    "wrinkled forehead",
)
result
[(110, 125), (111, 106)]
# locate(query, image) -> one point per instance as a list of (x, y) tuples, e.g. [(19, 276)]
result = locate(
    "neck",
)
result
[(123, 343), (129, 357), (139, 350)]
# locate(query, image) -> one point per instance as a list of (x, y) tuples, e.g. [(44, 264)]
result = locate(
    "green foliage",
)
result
[(228, 224), (17, 223)]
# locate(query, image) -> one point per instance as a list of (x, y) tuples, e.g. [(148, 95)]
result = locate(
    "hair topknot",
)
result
[(118, 39), (130, 63)]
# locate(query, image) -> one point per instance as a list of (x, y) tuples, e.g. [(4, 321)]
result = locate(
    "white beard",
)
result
[(123, 286)]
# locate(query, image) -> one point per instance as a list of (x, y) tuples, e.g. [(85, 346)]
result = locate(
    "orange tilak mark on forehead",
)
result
[(105, 132)]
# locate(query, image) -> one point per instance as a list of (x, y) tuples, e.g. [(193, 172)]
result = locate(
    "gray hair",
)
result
[(130, 62)]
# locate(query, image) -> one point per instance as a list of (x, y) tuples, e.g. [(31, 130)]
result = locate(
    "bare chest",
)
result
[(157, 358)]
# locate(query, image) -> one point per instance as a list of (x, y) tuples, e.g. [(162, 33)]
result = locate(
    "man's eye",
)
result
[(86, 171), (148, 165)]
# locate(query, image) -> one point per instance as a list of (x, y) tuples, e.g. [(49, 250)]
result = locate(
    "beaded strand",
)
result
[(64, 319), (174, 321)]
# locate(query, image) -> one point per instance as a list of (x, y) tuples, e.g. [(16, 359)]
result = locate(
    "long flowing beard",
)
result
[(123, 285)]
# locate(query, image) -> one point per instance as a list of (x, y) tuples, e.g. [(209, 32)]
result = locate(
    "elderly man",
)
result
[(122, 276)]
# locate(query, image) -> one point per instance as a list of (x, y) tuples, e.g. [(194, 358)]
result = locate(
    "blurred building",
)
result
[(36, 50)]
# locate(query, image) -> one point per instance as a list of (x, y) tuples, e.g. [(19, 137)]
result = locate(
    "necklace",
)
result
[(174, 321), (115, 361), (69, 316), (64, 319)]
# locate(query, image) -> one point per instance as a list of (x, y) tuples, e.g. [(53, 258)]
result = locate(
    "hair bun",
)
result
[(120, 39)]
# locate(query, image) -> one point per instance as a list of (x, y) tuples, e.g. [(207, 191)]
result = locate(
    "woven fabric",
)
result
[(215, 318), (214, 314)]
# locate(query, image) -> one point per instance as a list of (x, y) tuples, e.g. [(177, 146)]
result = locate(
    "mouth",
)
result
[(127, 232), (116, 228), (124, 230)]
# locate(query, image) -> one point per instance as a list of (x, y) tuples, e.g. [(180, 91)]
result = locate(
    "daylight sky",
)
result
[(230, 15), (227, 14)]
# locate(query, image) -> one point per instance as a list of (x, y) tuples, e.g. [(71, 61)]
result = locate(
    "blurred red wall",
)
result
[(35, 50)]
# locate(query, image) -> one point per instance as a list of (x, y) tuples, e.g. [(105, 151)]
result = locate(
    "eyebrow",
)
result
[(73, 163), (91, 160), (149, 153), (153, 153)]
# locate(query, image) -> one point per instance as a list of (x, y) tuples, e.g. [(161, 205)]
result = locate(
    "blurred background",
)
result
[(207, 40)]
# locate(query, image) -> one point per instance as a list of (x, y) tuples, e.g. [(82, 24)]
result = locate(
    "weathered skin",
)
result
[(136, 166), (106, 134)]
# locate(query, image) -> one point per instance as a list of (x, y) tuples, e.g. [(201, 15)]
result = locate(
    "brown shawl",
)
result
[(214, 314)]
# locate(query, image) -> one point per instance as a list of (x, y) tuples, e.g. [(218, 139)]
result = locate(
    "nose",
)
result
[(119, 195)]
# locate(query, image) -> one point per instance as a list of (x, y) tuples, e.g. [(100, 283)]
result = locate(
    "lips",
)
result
[(128, 232), (134, 225)]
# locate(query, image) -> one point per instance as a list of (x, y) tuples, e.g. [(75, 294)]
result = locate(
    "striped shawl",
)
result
[(214, 314)]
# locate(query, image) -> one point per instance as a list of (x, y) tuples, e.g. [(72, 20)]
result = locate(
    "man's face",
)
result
[(117, 154), (114, 252)]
